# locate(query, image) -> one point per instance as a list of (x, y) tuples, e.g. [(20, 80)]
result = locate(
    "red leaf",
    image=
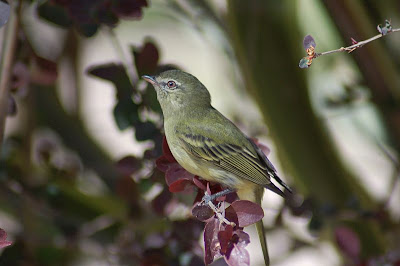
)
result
[(146, 58), (180, 185), (199, 183), (3, 242), (211, 243), (166, 151), (239, 256), (160, 202), (176, 172), (247, 212), (230, 215), (224, 238), (202, 212), (348, 241), (162, 163)]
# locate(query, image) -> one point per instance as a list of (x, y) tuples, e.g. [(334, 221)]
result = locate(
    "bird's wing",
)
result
[(238, 160)]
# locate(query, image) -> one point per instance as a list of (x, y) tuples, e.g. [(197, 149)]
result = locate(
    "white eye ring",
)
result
[(171, 84)]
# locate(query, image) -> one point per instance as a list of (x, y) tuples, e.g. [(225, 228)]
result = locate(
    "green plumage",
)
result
[(207, 144)]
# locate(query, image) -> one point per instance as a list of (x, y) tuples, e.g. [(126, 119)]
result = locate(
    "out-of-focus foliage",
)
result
[(65, 201)]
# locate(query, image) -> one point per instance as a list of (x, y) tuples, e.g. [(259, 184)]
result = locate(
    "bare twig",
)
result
[(7, 54), (129, 66), (353, 47), (309, 45)]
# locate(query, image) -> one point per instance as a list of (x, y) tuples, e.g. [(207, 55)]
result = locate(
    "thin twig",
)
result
[(353, 47), (129, 66), (7, 54)]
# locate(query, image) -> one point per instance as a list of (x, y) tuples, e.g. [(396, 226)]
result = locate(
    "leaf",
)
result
[(166, 151), (126, 113), (129, 9), (211, 242), (128, 165), (304, 62), (180, 185), (348, 241), (3, 242), (4, 13), (239, 256), (247, 212), (160, 202), (309, 42), (146, 58), (54, 13), (224, 238), (149, 98), (176, 172), (146, 130), (116, 73), (202, 212)]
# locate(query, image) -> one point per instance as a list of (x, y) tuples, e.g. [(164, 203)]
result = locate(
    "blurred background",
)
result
[(78, 183)]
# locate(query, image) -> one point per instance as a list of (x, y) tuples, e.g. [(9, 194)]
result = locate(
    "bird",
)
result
[(207, 144)]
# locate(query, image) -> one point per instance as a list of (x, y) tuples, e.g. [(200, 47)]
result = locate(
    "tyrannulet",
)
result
[(207, 144)]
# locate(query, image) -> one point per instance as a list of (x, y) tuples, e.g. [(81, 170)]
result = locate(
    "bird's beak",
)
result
[(150, 79)]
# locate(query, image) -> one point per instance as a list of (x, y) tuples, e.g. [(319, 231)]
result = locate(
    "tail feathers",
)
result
[(275, 189), (280, 181), (263, 241)]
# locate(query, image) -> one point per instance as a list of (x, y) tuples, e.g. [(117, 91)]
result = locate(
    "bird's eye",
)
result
[(171, 84)]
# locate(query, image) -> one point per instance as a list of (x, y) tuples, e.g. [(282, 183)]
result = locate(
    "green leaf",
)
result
[(145, 131), (126, 113), (55, 14)]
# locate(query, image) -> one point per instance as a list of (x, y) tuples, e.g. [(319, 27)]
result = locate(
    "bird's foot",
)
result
[(208, 200), (207, 197)]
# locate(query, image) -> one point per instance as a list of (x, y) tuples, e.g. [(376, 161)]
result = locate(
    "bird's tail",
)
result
[(260, 227)]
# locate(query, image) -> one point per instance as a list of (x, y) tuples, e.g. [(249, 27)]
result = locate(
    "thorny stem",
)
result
[(353, 47), (7, 53)]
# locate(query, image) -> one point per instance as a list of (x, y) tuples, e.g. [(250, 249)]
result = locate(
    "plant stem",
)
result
[(8, 50), (353, 47)]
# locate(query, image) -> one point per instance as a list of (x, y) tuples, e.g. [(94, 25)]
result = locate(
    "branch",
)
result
[(309, 44), (8, 51)]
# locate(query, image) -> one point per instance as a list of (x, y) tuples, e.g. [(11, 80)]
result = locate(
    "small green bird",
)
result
[(207, 144)]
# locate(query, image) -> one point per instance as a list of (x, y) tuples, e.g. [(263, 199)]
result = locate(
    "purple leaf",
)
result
[(224, 238), (202, 212), (146, 58), (247, 212), (239, 256), (128, 165), (211, 242), (3, 242), (308, 42), (129, 9), (181, 185), (160, 202), (348, 241), (176, 172)]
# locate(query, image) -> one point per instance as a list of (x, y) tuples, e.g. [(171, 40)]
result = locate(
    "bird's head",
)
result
[(177, 90)]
